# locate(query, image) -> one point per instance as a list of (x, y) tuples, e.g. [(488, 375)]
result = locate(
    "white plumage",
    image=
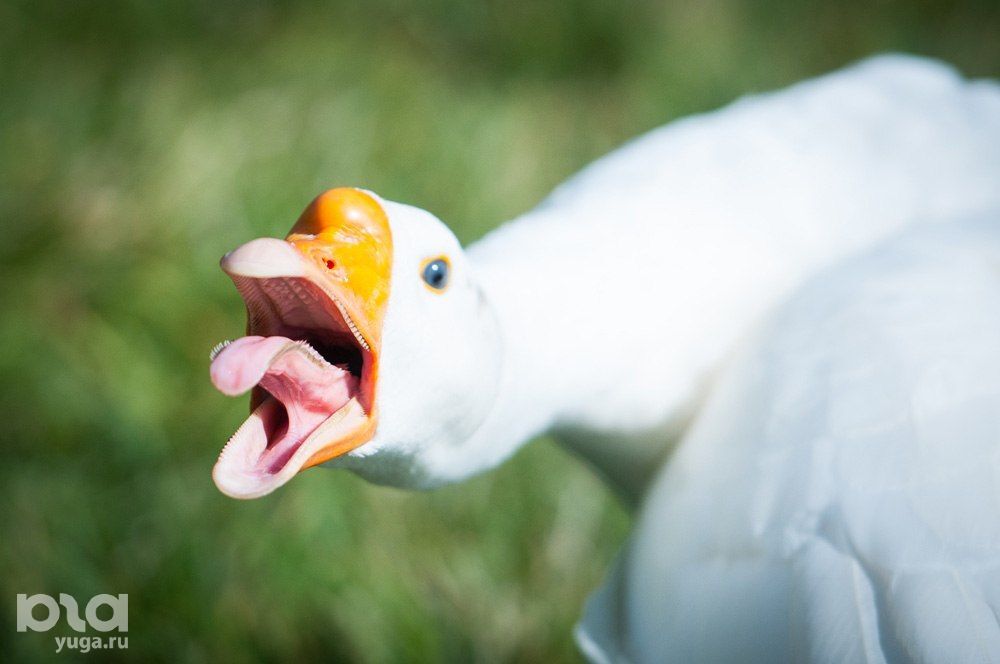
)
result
[(621, 294), (837, 499)]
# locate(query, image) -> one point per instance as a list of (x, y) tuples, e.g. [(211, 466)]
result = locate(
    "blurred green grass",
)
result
[(140, 141)]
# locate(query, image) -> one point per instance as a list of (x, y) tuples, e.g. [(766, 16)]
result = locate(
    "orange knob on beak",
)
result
[(345, 232)]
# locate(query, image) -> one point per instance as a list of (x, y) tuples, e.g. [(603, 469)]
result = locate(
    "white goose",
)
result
[(376, 344)]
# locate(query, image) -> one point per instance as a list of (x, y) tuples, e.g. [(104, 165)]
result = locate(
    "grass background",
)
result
[(141, 140)]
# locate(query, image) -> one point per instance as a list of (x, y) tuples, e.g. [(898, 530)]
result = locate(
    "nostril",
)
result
[(330, 264)]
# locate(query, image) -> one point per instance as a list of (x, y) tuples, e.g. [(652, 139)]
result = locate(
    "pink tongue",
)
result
[(243, 363), (307, 386)]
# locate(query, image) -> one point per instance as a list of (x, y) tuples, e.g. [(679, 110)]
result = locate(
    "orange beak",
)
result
[(316, 304)]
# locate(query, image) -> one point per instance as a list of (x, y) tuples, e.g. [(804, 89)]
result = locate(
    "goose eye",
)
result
[(435, 274)]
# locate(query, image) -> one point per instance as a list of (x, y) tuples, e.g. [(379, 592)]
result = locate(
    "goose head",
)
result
[(369, 345)]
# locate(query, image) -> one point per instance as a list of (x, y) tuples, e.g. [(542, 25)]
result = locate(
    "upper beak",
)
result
[(342, 244)]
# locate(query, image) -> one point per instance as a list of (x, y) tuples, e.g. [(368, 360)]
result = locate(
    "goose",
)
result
[(604, 316), (835, 500)]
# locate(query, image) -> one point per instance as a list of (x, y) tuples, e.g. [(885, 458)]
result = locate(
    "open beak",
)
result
[(315, 307)]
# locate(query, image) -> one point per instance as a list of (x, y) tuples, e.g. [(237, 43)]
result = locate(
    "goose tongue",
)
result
[(296, 377)]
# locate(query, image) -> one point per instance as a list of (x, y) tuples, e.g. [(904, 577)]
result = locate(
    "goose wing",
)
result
[(838, 498)]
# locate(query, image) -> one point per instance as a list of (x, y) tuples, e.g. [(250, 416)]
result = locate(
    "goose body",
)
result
[(836, 499), (605, 315), (621, 294)]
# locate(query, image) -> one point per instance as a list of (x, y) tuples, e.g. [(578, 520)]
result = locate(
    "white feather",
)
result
[(623, 293), (836, 500)]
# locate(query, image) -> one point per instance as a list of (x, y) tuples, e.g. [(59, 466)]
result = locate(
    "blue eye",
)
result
[(435, 274)]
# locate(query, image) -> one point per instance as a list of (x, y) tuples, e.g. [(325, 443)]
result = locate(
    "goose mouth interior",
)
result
[(310, 374)]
